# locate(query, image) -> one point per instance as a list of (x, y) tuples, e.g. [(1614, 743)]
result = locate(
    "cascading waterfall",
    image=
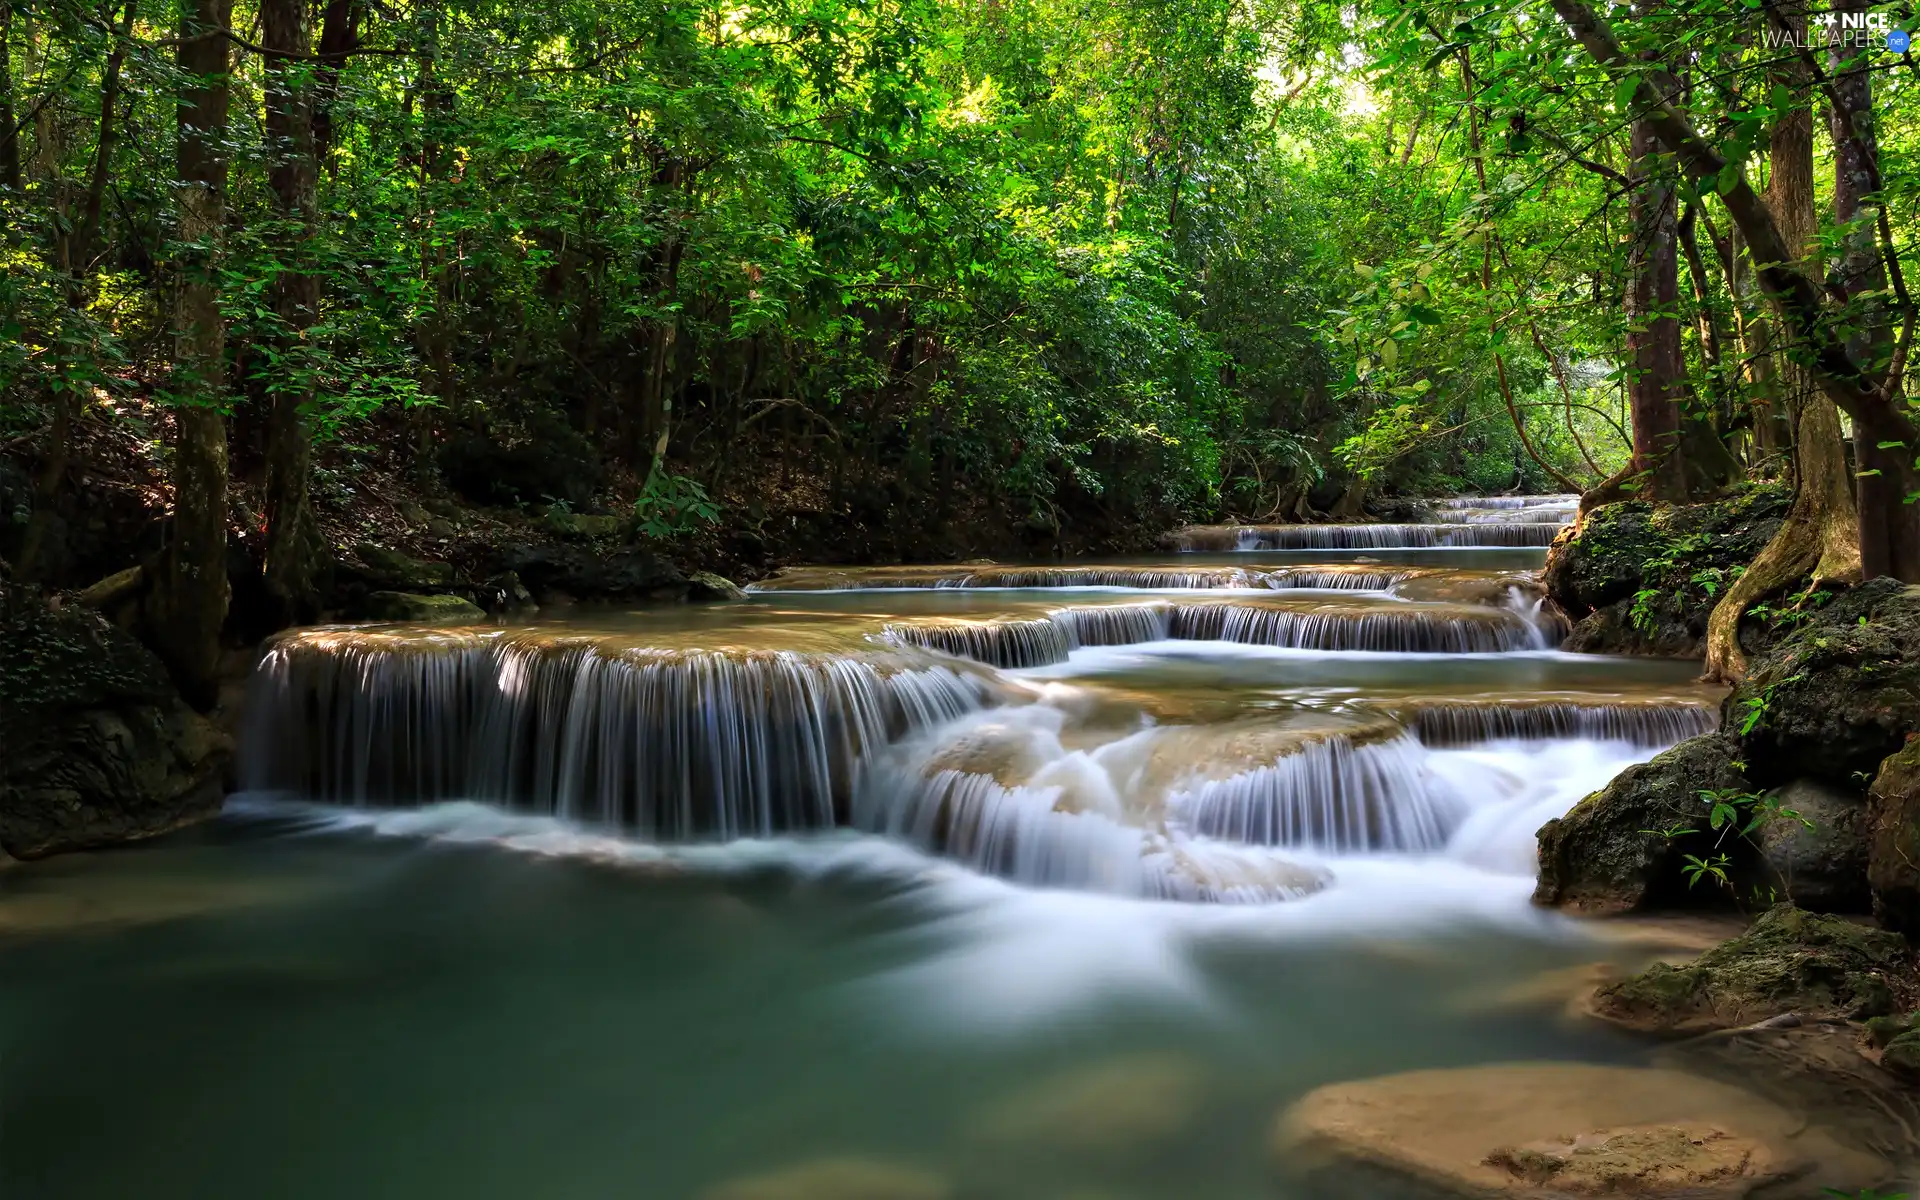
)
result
[(663, 743), (1557, 500), (1333, 795), (1438, 723), (1459, 631), (1375, 537), (1325, 578), (1034, 642), (855, 711)]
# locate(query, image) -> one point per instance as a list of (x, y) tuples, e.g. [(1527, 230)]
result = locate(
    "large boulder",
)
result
[(1789, 961), (1893, 839), (573, 572), (1642, 580), (384, 568), (422, 610), (1817, 857), (1624, 848), (1838, 695), (99, 747)]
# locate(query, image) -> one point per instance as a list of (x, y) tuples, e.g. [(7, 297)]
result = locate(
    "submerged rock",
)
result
[(1553, 1130), (836, 1179), (1127, 1104), (1620, 850), (422, 610), (99, 746), (1839, 695), (1790, 961), (1893, 839)]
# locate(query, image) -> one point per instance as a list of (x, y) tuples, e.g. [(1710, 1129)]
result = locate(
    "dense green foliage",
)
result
[(1131, 261)]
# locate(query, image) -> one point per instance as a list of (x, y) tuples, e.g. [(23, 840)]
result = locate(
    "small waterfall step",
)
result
[(1333, 577), (1451, 522), (1382, 626)]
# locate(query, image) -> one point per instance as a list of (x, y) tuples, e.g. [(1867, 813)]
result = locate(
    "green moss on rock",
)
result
[(1902, 1056), (1838, 695), (424, 610), (1642, 580), (1612, 853), (1893, 839), (1789, 961)]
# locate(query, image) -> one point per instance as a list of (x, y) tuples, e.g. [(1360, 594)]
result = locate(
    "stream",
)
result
[(992, 881)]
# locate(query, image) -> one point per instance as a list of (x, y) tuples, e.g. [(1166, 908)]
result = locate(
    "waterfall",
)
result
[(1333, 795), (1323, 578), (1408, 629), (1452, 724), (1414, 631), (1000, 792), (998, 643), (665, 743)]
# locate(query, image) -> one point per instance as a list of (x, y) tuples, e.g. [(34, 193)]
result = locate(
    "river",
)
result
[(974, 881)]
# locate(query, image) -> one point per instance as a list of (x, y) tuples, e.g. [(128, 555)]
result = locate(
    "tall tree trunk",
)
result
[(191, 601), (1772, 433), (292, 544), (1877, 404), (1653, 324), (9, 136), (1820, 536), (1889, 526)]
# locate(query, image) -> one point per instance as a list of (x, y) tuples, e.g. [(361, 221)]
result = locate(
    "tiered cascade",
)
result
[(914, 704)]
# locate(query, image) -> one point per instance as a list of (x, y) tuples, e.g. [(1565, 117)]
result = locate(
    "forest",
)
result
[(888, 280)]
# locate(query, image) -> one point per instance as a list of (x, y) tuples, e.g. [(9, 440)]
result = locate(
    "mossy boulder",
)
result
[(557, 573), (386, 569), (1637, 579), (1838, 695), (1902, 1056), (1789, 961), (99, 747), (705, 585), (1893, 839), (422, 610), (1617, 850)]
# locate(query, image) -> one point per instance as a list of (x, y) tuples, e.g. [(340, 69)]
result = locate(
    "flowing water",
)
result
[(975, 881)]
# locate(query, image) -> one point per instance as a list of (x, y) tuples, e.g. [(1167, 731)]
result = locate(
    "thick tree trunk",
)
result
[(292, 544), (1889, 526), (1876, 405), (1820, 536), (191, 603), (1653, 326)]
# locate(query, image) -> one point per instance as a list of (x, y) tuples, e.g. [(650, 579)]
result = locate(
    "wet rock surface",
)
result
[(422, 609), (100, 748), (1641, 580), (1840, 694), (1893, 839), (1789, 962), (1615, 851), (1817, 857)]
